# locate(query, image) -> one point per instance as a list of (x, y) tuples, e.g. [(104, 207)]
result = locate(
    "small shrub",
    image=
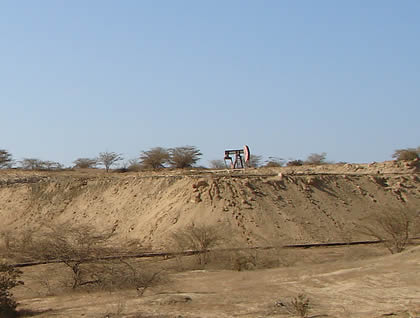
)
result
[(242, 262), (297, 306), (292, 163), (217, 164)]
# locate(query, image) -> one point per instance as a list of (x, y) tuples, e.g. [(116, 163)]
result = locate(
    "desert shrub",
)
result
[(217, 164), (297, 306), (392, 227), (407, 154), (242, 261), (199, 238), (316, 159), (296, 162), (122, 274), (274, 162), (9, 278), (184, 157), (155, 158)]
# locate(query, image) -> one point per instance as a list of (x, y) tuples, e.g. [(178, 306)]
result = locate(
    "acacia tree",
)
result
[(155, 158), (5, 159), (38, 164), (184, 157), (407, 154), (316, 159), (108, 159), (85, 163)]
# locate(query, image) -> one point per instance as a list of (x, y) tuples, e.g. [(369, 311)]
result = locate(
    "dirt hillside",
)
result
[(258, 206)]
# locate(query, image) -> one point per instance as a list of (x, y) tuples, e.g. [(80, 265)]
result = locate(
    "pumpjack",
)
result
[(241, 158)]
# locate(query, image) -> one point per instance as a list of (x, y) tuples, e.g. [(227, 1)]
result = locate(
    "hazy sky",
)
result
[(288, 78)]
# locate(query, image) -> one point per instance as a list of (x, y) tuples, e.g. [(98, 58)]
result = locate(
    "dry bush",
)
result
[(198, 238), (297, 306), (217, 164), (243, 261), (294, 163), (393, 227), (274, 162), (85, 253), (75, 246), (9, 278), (126, 274)]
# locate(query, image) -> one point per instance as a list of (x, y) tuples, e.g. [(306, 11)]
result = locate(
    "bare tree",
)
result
[(184, 157), (392, 227), (74, 246), (108, 159), (85, 163), (155, 158), (198, 237), (5, 159)]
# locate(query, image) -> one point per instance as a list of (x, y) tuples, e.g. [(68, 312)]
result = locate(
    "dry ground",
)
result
[(256, 207), (340, 282)]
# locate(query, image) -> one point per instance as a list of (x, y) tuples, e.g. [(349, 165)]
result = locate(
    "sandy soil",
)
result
[(255, 207), (382, 286)]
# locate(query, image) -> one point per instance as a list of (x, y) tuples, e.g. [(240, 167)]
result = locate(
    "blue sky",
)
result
[(288, 78)]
